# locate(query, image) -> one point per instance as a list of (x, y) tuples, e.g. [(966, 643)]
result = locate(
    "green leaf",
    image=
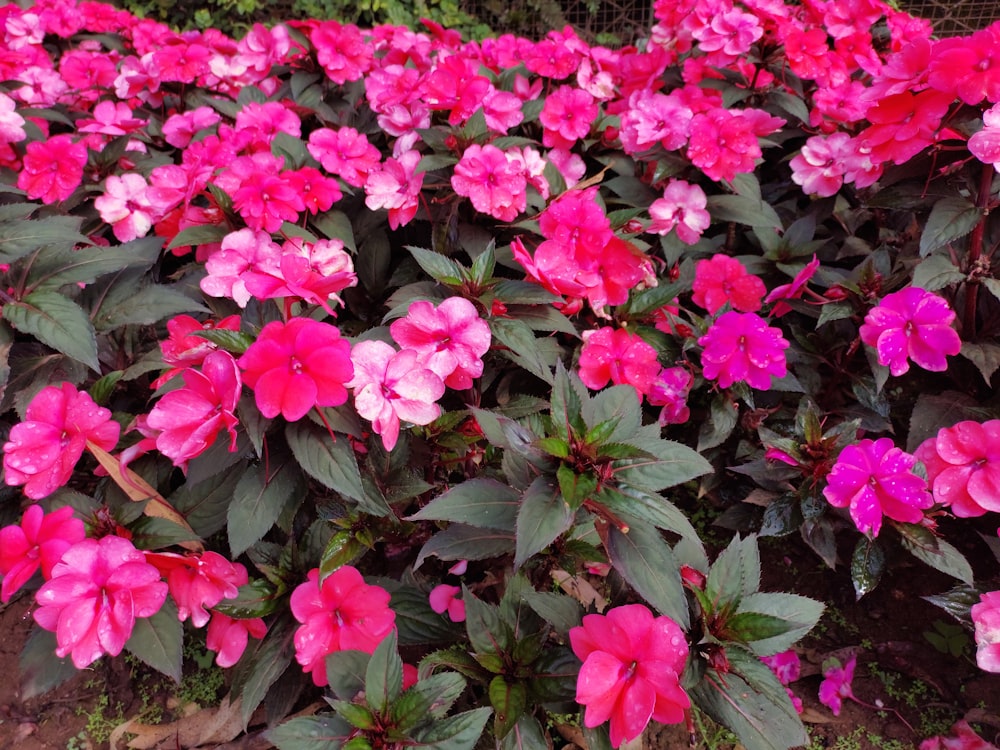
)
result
[(932, 411), (384, 676), (795, 615), (936, 272), (920, 542), (372, 262), (430, 699), (330, 462), (158, 641), (460, 732), (21, 236), (56, 322), (462, 542), (735, 573), (575, 487), (437, 266), (431, 162), (488, 634), (155, 533), (258, 500), (336, 225), (522, 347), (481, 502), (543, 517), (258, 598), (346, 672), (618, 408), (310, 733), (145, 306), (342, 549), (55, 267), (509, 701), (527, 734), (741, 209), (234, 342), (672, 464), (957, 602), (984, 355), (39, 668), (653, 509), (867, 566), (720, 424), (204, 505), (200, 234), (950, 218), (568, 393), (560, 611), (648, 565)]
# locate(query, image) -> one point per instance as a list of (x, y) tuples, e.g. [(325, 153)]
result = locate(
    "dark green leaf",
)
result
[(204, 505), (522, 347), (950, 218), (372, 262), (741, 209), (936, 272), (437, 266), (568, 394), (867, 566), (459, 732), (920, 542), (488, 634), (429, 699), (795, 615), (933, 411), (158, 641), (512, 292), (462, 542), (234, 342), (258, 598), (40, 669), (258, 500), (57, 266), (560, 611), (818, 534), (543, 517), (57, 322), (342, 549), (509, 700), (647, 563), (155, 533), (336, 225), (575, 487), (310, 733), (384, 675), (416, 622), (672, 464), (527, 734), (957, 602), (735, 573), (720, 423), (145, 306), (21, 236), (653, 509), (618, 408), (481, 502), (984, 355)]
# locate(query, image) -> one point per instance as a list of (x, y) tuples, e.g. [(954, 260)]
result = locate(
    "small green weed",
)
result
[(948, 638)]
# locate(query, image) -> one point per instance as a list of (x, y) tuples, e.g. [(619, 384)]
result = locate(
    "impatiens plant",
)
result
[(329, 347)]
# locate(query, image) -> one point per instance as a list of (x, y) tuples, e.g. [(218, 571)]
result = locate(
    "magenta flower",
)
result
[(787, 667), (912, 324), (986, 618), (444, 598), (567, 116), (741, 347), (38, 542), (199, 582), (341, 613), (793, 290), (189, 419), (620, 356), (963, 467), (241, 252), (43, 449), (390, 386), (875, 478), (228, 636), (297, 365), (670, 390), (451, 339), (96, 592), (632, 662), (722, 279), (820, 165), (836, 684), (985, 144)]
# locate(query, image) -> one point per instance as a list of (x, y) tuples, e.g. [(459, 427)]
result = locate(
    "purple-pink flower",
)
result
[(670, 390), (97, 591), (37, 543), (912, 324), (874, 478), (741, 347), (986, 618), (836, 684)]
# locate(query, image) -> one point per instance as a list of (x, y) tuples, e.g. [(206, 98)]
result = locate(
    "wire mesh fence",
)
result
[(955, 17)]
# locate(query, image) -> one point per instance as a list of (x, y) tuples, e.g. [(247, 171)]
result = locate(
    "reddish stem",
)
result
[(975, 251)]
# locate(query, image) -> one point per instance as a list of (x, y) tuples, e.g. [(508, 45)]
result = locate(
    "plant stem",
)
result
[(975, 251)]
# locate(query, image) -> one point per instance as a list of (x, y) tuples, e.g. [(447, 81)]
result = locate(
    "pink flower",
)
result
[(11, 123), (199, 582), (43, 449), (495, 184), (722, 279), (682, 208), (620, 356), (836, 684), (786, 666), (182, 349), (820, 165), (875, 478), (96, 592), (126, 207), (390, 386), (791, 291), (242, 251), (341, 613), (631, 670), (567, 116), (963, 467), (444, 598), (670, 390), (742, 347), (295, 366), (450, 339), (228, 636), (52, 169), (342, 51), (189, 419), (911, 324), (179, 129), (345, 153), (986, 618), (985, 144), (395, 186), (312, 271), (318, 191), (39, 542), (962, 738)]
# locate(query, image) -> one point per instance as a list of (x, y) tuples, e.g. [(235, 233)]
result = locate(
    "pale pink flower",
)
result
[(11, 123), (741, 347), (391, 386), (126, 207), (963, 467), (820, 165), (682, 208), (242, 251), (37, 543), (341, 613), (450, 339), (395, 186), (228, 636), (632, 662), (41, 451), (447, 599), (199, 582), (494, 183), (97, 591), (297, 365), (617, 355), (912, 324), (190, 418), (836, 684), (874, 478), (312, 271)]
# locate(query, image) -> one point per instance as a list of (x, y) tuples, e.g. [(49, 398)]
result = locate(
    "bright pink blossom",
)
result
[(297, 365), (567, 116), (341, 613), (345, 153), (912, 324), (617, 355), (450, 339), (182, 349), (494, 183), (820, 165), (97, 591), (985, 144), (962, 738), (199, 582), (52, 169), (742, 347), (445, 598), (190, 418), (318, 191), (311, 271), (632, 662), (682, 208), (342, 51), (395, 186), (874, 478), (670, 390), (836, 684), (37, 543), (228, 636), (43, 449), (653, 118), (722, 279), (179, 129), (963, 467), (241, 252), (391, 386), (793, 290), (786, 666)]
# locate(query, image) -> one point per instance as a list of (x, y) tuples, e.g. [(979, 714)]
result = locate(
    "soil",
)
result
[(922, 691)]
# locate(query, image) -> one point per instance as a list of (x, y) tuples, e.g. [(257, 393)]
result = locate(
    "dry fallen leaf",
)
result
[(580, 589), (207, 727)]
